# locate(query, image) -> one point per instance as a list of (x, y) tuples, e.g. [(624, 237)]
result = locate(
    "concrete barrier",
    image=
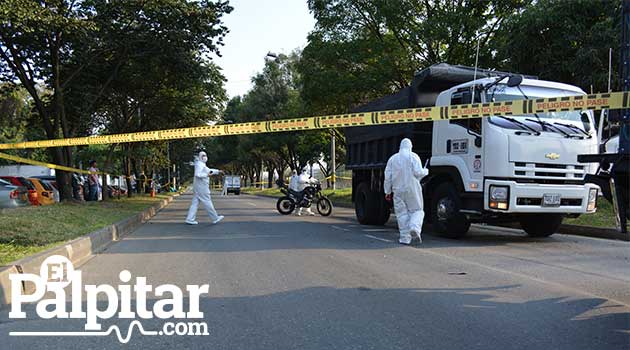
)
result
[(78, 251)]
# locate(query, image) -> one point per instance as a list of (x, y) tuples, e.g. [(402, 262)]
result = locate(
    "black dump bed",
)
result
[(369, 147)]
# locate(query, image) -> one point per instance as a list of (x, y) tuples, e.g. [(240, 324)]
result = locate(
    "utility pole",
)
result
[(333, 163), (168, 168), (175, 177)]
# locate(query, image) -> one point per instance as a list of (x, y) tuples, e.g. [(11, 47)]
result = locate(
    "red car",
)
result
[(20, 181)]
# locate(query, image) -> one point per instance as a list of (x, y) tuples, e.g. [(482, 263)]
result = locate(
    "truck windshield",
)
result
[(571, 122)]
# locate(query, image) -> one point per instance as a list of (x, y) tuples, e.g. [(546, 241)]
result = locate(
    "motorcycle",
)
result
[(303, 199)]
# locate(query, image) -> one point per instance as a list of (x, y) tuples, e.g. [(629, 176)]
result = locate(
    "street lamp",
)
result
[(271, 55)]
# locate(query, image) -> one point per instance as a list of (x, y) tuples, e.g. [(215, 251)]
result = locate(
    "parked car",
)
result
[(112, 191), (233, 184), (12, 196), (53, 186), (116, 189), (33, 197), (44, 191), (51, 179)]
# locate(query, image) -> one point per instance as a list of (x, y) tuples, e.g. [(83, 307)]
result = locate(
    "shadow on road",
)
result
[(255, 228), (325, 317)]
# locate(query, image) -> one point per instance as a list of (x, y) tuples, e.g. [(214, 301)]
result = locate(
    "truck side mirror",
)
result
[(515, 80)]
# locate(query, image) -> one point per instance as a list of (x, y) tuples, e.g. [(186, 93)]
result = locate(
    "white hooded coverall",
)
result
[(225, 187), (403, 173), (201, 189), (303, 181), (293, 183)]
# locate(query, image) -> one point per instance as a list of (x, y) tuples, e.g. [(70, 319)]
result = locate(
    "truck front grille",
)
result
[(544, 171)]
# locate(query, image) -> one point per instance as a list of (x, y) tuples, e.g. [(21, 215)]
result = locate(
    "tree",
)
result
[(35, 40), (565, 41), (76, 50), (364, 49), (276, 94)]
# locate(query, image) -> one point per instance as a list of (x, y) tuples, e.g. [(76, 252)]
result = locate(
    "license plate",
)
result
[(551, 200)]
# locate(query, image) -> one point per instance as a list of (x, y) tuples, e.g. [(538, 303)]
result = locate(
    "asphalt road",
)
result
[(287, 282)]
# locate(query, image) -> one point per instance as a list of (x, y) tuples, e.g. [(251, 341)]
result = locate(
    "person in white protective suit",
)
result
[(225, 186), (201, 191), (293, 182), (304, 181), (403, 173)]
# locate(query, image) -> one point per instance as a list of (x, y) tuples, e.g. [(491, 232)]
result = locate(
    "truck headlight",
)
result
[(592, 200), (499, 196)]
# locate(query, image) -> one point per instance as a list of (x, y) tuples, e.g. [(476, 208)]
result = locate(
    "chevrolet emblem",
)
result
[(552, 156)]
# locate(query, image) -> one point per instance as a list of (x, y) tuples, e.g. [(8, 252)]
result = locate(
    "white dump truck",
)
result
[(517, 168)]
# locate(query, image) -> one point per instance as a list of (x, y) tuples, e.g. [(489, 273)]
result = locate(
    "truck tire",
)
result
[(384, 210), (362, 207), (370, 207), (447, 220), (541, 225)]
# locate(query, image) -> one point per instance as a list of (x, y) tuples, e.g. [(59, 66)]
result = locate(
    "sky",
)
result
[(256, 28)]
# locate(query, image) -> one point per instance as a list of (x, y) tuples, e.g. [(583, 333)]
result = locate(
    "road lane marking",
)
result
[(252, 204), (339, 228), (379, 239)]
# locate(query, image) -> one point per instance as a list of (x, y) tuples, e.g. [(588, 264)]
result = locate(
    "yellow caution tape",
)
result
[(333, 177), (614, 100)]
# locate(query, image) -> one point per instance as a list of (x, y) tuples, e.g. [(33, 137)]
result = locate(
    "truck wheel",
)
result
[(362, 204), (541, 225), (447, 220), (383, 210), (370, 207)]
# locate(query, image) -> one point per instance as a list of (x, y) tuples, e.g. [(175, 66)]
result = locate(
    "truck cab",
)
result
[(488, 169), (520, 168)]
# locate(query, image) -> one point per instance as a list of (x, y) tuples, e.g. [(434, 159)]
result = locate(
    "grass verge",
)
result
[(604, 217), (30, 230)]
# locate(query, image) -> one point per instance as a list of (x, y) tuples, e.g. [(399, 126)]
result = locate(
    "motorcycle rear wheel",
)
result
[(285, 205)]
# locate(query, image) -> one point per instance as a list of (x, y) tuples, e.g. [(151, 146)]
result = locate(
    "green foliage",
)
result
[(276, 94), (103, 66), (566, 41), (364, 49)]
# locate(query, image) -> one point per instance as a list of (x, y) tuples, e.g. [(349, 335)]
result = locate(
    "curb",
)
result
[(590, 231), (567, 229), (78, 251)]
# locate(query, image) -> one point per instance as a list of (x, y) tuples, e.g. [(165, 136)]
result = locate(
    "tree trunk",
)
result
[(128, 169), (270, 169), (62, 178), (107, 165), (104, 191)]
